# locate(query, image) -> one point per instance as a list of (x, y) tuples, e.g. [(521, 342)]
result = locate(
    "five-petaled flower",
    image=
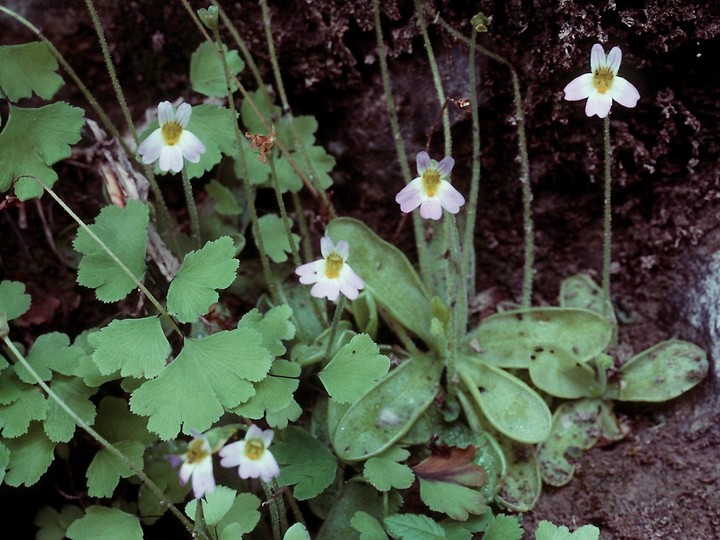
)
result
[(196, 463), (332, 274), (251, 455), (602, 84), (431, 191), (171, 142)]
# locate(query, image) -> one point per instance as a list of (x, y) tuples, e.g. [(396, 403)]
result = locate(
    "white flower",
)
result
[(431, 191), (602, 84), (251, 455), (171, 142), (196, 464), (332, 274)]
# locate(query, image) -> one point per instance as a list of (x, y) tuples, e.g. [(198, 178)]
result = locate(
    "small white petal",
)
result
[(614, 58), (350, 292), (166, 113), (232, 454), (171, 159), (431, 209), (598, 104), (268, 467), (326, 246), (203, 480), (423, 162), (597, 57), (343, 249), (190, 146), (349, 276), (151, 147), (326, 288), (624, 92), (450, 198), (310, 272), (186, 470), (249, 469), (579, 88), (409, 197), (267, 437), (445, 166), (183, 113)]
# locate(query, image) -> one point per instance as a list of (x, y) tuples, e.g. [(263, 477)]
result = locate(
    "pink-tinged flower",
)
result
[(602, 84), (332, 274), (431, 191), (251, 455), (196, 464), (171, 142)]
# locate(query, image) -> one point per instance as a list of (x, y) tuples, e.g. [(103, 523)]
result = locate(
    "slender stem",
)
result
[(457, 295), (281, 506), (399, 330), (423, 254), (114, 257), (437, 80), (302, 224), (107, 123), (111, 68), (471, 208), (249, 194), (274, 512), (287, 223), (607, 221), (334, 327), (297, 513), (100, 439), (192, 209)]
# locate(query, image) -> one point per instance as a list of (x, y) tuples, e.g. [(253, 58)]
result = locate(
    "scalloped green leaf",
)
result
[(318, 169), (503, 527), (275, 240), (32, 141), (385, 471), (274, 393), (297, 532), (510, 405), (510, 339), (30, 457), (106, 469), (388, 410), (660, 373), (13, 299), (50, 353), (209, 376), (225, 201), (368, 526), (193, 290), (27, 68), (243, 516), (4, 460), (561, 374), (97, 269), (53, 524), (17, 416), (115, 422), (549, 531), (306, 463), (388, 275), (274, 326), (58, 425), (98, 520), (207, 74), (143, 337), (216, 505), (413, 527), (354, 369)]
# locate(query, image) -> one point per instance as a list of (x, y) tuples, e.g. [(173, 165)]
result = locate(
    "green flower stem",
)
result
[(294, 507), (423, 253), (302, 224), (114, 257), (435, 75), (100, 439), (471, 208), (281, 505), (334, 327), (283, 212), (266, 123), (107, 123), (528, 227), (249, 194), (111, 68), (286, 107), (192, 209), (200, 526), (274, 511), (607, 221)]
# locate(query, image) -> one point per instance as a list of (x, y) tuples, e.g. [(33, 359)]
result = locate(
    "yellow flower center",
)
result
[(602, 79), (171, 132), (333, 265), (431, 182), (196, 452), (254, 449)]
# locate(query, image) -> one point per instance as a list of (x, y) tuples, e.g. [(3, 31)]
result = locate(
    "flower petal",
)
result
[(343, 249), (203, 480), (326, 288), (598, 104), (409, 197), (183, 113), (190, 146), (445, 166), (326, 246), (597, 57), (614, 58), (431, 209), (423, 162), (151, 147), (450, 198), (185, 472), (171, 159), (310, 272), (624, 92), (231, 455), (348, 275), (166, 113), (579, 88), (268, 466), (266, 436)]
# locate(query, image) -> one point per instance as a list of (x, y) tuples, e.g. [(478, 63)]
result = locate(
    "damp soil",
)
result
[(662, 480)]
